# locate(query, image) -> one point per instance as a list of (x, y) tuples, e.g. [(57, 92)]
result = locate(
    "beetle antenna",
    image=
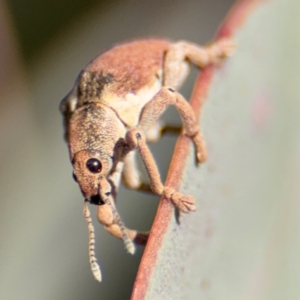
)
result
[(93, 260), (129, 245)]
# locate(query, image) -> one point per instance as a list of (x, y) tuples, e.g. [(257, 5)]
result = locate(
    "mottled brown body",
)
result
[(132, 66), (114, 108)]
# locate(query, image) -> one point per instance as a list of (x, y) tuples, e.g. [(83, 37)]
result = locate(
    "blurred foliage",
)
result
[(37, 21)]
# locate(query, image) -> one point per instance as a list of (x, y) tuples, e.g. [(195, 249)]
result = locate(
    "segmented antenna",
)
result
[(126, 239), (93, 260)]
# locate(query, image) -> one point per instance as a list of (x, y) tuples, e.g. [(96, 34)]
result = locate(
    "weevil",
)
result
[(114, 109)]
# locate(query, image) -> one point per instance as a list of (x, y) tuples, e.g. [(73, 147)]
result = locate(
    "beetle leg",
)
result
[(180, 54), (155, 132), (154, 108), (131, 175), (108, 216), (136, 139)]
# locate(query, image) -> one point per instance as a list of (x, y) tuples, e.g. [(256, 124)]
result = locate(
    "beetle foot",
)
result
[(201, 152), (226, 47), (185, 203)]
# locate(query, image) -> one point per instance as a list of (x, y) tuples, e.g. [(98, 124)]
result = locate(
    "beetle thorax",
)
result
[(94, 127)]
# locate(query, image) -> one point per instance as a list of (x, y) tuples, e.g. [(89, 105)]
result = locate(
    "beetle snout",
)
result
[(97, 199)]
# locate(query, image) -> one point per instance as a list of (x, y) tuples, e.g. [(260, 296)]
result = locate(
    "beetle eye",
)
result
[(74, 176), (94, 165)]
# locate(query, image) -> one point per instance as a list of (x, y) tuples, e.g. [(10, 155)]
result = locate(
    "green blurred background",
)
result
[(43, 46)]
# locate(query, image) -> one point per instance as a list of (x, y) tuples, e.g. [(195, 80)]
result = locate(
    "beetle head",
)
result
[(90, 170), (94, 132)]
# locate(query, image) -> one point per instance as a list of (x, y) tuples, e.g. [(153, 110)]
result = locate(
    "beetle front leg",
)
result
[(131, 175), (136, 139), (108, 216)]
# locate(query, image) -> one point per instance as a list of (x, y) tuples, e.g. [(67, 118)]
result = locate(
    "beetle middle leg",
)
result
[(131, 176), (165, 97), (158, 130)]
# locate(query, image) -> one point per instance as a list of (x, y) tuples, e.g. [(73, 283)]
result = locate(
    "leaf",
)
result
[(226, 250)]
